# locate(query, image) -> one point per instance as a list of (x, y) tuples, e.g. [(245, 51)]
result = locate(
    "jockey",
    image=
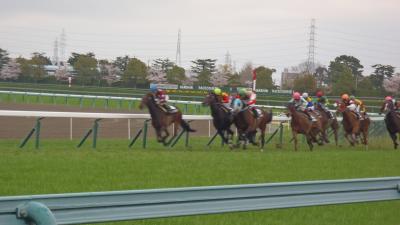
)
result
[(161, 98), (360, 107), (390, 98), (300, 104), (249, 99), (351, 105), (322, 101), (223, 97), (310, 104), (226, 100)]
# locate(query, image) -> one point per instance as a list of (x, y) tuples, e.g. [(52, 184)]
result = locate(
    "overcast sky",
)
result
[(270, 33)]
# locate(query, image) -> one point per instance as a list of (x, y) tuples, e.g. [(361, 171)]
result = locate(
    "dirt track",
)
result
[(59, 128)]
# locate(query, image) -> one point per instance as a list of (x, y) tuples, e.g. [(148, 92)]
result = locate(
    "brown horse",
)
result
[(328, 121), (353, 127), (392, 120), (247, 125), (301, 124), (161, 120)]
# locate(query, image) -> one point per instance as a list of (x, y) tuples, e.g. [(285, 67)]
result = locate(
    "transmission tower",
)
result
[(63, 44), (178, 49), (311, 48), (55, 53)]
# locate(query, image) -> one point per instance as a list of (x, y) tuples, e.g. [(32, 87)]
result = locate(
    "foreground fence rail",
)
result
[(97, 207)]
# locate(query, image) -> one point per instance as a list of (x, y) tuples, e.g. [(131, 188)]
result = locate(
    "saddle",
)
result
[(225, 108), (168, 108)]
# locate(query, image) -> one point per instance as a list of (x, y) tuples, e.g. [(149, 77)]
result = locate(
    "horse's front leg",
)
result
[(165, 137), (394, 139)]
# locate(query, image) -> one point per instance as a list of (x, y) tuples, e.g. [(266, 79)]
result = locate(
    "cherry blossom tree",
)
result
[(392, 85), (10, 71), (156, 76)]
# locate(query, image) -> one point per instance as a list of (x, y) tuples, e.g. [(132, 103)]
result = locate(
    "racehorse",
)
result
[(247, 124), (328, 121), (353, 127), (222, 118), (392, 120), (161, 120), (301, 124)]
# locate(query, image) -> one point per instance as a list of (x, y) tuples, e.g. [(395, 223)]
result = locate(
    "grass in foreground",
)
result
[(58, 167)]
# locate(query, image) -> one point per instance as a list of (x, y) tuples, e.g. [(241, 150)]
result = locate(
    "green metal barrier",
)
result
[(144, 130), (94, 129), (36, 129)]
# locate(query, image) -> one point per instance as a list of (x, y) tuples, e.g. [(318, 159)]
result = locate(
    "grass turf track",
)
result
[(60, 168)]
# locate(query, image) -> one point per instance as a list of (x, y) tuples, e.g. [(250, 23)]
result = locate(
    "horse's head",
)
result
[(340, 106), (387, 106), (210, 98), (291, 106), (146, 100)]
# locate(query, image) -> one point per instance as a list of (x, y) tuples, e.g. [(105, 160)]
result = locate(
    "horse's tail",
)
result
[(186, 126)]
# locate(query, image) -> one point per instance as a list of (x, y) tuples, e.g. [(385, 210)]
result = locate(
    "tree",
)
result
[(343, 80), (62, 74), (156, 76), (264, 77), (204, 68), (354, 64), (176, 75), (37, 62), (381, 73), (163, 65), (86, 69), (3, 58), (10, 71), (26, 69), (121, 63), (365, 87), (246, 74), (321, 76), (108, 72), (305, 83), (74, 57), (234, 80), (135, 73), (392, 85)]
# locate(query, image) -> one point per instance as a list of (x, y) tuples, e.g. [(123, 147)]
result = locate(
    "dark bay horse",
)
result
[(392, 120), (162, 120), (222, 118), (352, 126), (247, 125), (301, 124), (328, 122)]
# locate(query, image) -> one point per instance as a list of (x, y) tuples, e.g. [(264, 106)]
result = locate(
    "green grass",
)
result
[(58, 167)]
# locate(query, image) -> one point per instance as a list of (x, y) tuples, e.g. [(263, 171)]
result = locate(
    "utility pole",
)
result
[(311, 49), (178, 49)]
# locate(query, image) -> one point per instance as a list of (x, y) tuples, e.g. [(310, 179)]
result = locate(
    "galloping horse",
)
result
[(247, 125), (328, 122), (352, 126), (392, 120), (162, 120), (301, 124), (222, 118)]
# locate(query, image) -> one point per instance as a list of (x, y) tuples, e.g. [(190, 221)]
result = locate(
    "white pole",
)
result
[(209, 128), (70, 128), (129, 129)]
